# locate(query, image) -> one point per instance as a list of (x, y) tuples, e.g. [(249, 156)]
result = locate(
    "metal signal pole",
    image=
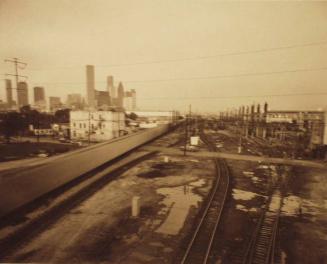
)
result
[(17, 63)]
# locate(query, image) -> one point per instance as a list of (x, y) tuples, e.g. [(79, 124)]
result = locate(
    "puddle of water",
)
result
[(248, 173), (198, 183), (193, 160), (292, 205), (255, 179), (179, 201), (244, 195), (263, 167), (241, 207), (245, 209)]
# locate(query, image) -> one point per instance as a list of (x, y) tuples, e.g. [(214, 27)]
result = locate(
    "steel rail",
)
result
[(221, 169), (270, 247)]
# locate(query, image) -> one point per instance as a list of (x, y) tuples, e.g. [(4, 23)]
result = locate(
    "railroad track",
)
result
[(261, 249), (200, 246)]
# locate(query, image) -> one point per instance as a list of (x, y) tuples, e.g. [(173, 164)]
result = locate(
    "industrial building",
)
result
[(96, 126), (305, 127)]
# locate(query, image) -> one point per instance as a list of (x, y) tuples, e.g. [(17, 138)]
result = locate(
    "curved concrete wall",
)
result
[(30, 184)]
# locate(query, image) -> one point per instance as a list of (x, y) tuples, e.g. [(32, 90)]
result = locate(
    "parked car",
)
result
[(64, 140)]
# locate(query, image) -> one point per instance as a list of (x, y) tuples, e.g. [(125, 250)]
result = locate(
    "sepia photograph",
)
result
[(163, 131)]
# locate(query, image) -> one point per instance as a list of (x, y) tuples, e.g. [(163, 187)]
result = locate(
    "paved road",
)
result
[(304, 163), (7, 166)]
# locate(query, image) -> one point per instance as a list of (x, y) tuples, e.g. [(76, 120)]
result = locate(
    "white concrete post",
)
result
[(136, 206), (166, 159)]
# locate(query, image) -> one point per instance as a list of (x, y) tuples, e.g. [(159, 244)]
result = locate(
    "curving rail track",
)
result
[(199, 248)]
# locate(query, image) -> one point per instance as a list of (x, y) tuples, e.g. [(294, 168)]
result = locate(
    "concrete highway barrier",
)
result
[(29, 184)]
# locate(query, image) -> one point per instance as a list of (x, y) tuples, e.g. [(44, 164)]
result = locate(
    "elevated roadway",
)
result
[(25, 184)]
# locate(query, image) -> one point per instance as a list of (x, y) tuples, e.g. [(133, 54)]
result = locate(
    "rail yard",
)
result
[(190, 208)]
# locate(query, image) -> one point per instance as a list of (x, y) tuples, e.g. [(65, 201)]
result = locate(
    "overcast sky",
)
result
[(58, 38)]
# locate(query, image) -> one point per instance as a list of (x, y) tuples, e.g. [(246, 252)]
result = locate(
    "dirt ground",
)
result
[(302, 236), (101, 228), (304, 232)]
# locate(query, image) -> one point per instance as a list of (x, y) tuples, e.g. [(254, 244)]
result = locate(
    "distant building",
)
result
[(22, 94), (39, 98), (312, 122), (302, 128), (160, 117), (75, 101), (55, 103), (96, 126), (111, 88), (39, 94), (128, 101), (10, 102), (90, 86), (120, 95), (102, 98)]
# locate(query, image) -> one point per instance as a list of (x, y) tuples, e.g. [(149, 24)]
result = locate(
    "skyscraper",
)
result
[(9, 93), (22, 94), (120, 95), (90, 86), (111, 88), (39, 95)]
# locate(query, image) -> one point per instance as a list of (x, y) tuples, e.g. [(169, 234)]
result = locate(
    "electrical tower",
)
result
[(17, 65)]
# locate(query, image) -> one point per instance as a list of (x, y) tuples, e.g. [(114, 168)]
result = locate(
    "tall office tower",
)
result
[(110, 86), (90, 86), (9, 93), (133, 93), (22, 94), (39, 95), (120, 95)]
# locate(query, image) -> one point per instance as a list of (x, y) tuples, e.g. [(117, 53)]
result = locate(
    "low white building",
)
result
[(96, 126), (160, 117)]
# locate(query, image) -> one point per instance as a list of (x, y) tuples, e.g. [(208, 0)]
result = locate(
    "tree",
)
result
[(12, 123), (62, 115)]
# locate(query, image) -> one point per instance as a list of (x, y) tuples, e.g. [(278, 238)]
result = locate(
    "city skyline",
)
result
[(272, 51)]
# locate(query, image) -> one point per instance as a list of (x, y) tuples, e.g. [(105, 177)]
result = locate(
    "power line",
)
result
[(207, 77), (218, 55), (17, 65), (203, 57), (233, 96)]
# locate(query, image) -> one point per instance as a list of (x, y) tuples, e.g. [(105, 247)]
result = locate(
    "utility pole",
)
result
[(89, 134), (17, 64), (186, 129), (190, 115)]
